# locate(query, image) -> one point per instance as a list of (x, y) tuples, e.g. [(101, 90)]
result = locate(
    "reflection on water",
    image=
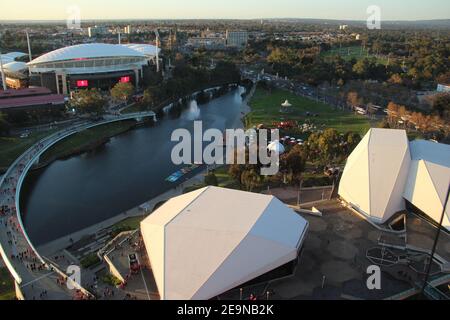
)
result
[(193, 112), (78, 192)]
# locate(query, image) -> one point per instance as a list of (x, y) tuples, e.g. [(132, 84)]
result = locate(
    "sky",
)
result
[(224, 9)]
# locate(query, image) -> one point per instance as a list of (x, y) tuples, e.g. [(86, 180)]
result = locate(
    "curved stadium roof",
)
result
[(87, 51), (147, 49)]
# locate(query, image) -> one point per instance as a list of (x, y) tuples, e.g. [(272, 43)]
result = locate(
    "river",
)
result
[(72, 194)]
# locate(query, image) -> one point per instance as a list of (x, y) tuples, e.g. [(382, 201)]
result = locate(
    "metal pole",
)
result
[(2, 72), (157, 49), (29, 46), (433, 251), (240, 294)]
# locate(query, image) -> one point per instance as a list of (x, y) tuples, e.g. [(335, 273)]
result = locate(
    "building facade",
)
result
[(238, 39)]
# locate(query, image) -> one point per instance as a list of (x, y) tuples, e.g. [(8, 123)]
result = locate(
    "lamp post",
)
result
[(2, 72), (436, 240)]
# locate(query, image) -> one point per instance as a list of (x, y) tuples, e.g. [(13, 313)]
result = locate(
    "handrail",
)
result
[(35, 153)]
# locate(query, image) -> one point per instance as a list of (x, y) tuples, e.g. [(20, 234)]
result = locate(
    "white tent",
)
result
[(209, 241), (375, 175), (286, 104), (429, 179), (276, 147)]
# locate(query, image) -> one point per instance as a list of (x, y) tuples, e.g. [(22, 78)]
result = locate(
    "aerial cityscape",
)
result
[(229, 152)]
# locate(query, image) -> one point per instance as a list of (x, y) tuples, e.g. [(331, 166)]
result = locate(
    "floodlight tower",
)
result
[(2, 72), (157, 49), (30, 57)]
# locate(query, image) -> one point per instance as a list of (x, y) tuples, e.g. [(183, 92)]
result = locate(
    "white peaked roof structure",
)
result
[(276, 147), (375, 175), (209, 241), (286, 104), (429, 179), (146, 49), (85, 51)]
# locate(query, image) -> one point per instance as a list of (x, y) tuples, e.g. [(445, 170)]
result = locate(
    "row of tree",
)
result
[(321, 148)]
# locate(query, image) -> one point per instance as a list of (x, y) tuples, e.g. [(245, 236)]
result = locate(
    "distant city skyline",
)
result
[(231, 9)]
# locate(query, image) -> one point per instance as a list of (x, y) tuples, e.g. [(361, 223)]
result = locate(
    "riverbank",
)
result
[(12, 147), (62, 243), (6, 285), (138, 212), (85, 141), (266, 106)]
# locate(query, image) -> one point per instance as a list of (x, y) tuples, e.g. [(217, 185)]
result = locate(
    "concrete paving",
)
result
[(333, 263)]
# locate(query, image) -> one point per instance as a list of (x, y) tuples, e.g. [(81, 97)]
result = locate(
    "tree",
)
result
[(226, 72), (150, 98), (4, 125), (293, 164), (329, 144), (211, 179), (122, 91), (88, 101), (353, 99), (351, 140), (250, 179), (235, 171), (441, 105)]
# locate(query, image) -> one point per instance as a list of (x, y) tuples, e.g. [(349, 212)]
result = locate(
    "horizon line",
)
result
[(219, 19)]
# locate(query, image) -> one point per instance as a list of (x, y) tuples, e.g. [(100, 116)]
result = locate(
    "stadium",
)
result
[(95, 65)]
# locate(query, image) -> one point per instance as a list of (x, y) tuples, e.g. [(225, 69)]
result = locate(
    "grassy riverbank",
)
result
[(12, 147), (6, 285), (86, 140), (265, 107)]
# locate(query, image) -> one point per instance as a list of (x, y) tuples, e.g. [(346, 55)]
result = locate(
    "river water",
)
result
[(70, 195)]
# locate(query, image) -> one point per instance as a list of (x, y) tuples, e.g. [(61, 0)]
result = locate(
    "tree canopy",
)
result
[(88, 101), (122, 91)]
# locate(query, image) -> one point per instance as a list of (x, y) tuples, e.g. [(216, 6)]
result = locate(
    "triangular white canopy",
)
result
[(375, 175), (286, 104), (209, 241), (429, 179)]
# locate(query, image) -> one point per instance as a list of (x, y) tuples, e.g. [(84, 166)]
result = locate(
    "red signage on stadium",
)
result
[(82, 83), (125, 79)]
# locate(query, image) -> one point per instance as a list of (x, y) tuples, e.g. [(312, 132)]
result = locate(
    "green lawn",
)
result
[(11, 148), (355, 52), (6, 285), (266, 110), (85, 139), (132, 223)]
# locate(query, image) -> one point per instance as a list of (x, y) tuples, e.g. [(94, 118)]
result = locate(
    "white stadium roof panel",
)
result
[(438, 153), (146, 49), (208, 242), (376, 172), (15, 66), (11, 57), (87, 51), (429, 179)]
